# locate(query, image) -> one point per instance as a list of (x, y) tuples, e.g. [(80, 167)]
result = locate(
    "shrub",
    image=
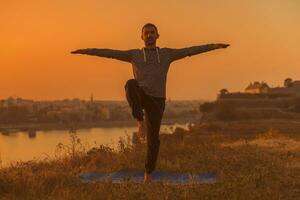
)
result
[(207, 107), (226, 110)]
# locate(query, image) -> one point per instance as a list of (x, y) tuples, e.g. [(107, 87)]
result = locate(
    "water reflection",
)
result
[(32, 144)]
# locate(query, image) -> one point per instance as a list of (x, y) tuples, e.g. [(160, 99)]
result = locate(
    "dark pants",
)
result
[(154, 108)]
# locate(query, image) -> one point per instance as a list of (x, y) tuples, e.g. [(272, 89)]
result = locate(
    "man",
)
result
[(147, 91)]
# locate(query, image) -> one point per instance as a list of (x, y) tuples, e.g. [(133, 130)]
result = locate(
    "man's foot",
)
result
[(141, 131), (147, 177)]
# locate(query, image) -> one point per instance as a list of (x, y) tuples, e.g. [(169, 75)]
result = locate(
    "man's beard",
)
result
[(150, 42)]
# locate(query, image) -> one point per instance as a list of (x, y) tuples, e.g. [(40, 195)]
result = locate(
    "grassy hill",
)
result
[(253, 160)]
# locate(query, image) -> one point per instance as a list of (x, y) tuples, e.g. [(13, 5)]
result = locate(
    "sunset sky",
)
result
[(37, 36)]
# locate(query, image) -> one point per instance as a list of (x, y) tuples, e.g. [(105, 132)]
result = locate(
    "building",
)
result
[(262, 88), (292, 90), (296, 84), (257, 88)]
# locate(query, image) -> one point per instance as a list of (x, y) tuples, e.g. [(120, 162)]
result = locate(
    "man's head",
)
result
[(149, 34)]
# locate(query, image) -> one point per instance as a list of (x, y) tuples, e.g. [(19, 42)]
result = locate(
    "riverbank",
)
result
[(11, 128)]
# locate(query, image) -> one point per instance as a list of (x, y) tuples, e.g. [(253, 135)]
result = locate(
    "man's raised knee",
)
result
[(131, 83)]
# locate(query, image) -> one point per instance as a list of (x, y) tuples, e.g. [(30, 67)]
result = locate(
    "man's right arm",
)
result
[(123, 55)]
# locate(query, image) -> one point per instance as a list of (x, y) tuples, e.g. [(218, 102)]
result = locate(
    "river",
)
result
[(21, 146)]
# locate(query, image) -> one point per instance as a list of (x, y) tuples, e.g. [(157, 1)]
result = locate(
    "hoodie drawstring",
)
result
[(157, 54)]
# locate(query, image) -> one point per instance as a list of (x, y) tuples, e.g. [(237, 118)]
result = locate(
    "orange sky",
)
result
[(36, 38)]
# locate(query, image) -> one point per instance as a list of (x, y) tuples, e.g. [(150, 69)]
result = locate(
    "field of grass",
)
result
[(263, 163)]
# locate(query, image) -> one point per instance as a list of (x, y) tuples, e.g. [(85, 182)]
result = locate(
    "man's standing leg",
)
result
[(154, 109)]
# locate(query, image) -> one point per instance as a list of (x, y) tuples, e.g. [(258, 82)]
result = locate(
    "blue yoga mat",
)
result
[(157, 176)]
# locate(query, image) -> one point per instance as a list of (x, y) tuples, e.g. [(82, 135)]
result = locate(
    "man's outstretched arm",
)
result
[(177, 54), (123, 55)]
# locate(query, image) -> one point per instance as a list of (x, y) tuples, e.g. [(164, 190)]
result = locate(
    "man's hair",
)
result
[(150, 25)]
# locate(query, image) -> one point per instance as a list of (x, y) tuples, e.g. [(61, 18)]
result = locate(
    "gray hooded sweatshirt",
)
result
[(150, 66)]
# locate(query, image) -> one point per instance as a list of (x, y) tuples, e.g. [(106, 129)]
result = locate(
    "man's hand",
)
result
[(78, 51), (220, 45)]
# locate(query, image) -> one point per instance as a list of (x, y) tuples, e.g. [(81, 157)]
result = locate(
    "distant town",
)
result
[(16, 110), (290, 89)]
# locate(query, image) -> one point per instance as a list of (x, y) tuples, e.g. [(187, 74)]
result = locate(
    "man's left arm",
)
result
[(177, 54)]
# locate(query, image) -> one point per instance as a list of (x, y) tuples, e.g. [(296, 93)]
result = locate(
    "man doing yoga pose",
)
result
[(146, 93)]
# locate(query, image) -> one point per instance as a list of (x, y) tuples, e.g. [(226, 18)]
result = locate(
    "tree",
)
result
[(288, 82), (223, 91)]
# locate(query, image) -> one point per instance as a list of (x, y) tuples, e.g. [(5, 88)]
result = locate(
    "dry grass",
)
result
[(262, 166)]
